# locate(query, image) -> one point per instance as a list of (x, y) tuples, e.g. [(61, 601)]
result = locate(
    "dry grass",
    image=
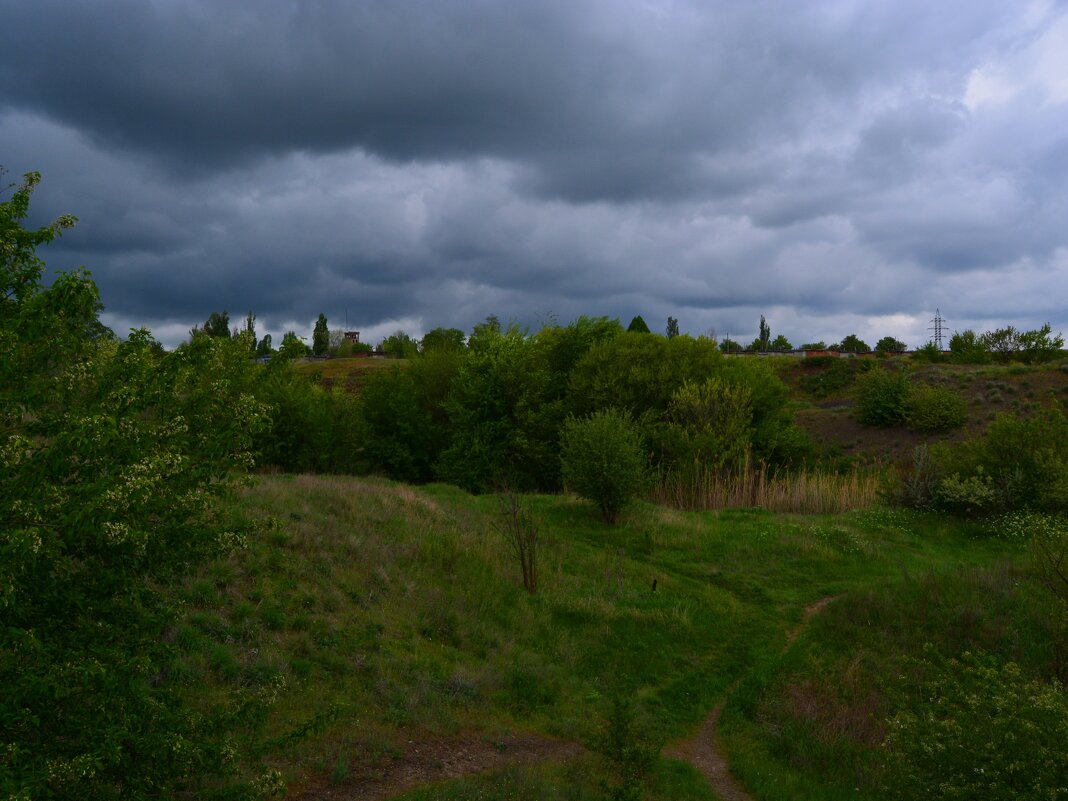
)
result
[(805, 492)]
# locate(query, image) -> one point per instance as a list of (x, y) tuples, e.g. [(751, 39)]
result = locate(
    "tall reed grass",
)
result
[(808, 491)]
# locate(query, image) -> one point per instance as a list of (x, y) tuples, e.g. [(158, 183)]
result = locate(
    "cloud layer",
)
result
[(838, 167)]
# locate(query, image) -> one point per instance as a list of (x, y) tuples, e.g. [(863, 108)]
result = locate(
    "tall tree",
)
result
[(218, 325), (321, 336), (672, 328), (638, 325), (765, 335)]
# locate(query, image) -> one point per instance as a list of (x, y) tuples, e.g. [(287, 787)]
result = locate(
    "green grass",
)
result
[(397, 613)]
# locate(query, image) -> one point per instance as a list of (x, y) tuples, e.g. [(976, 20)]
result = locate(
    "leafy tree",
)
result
[(638, 325), (218, 325), (484, 332), (890, 345), (442, 338), (320, 336), (1003, 343), (112, 456), (728, 345), (854, 344), (399, 345), (603, 460), (821, 345), (781, 344), (1039, 345), (293, 346), (967, 347), (763, 341), (264, 348), (672, 327)]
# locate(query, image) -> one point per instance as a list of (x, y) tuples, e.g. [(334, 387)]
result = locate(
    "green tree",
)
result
[(218, 325), (320, 336), (264, 348), (603, 460), (763, 342), (781, 344), (113, 456), (400, 345), (293, 346), (966, 347), (890, 345), (672, 327), (821, 345), (854, 344), (728, 345), (442, 338), (638, 325), (484, 332)]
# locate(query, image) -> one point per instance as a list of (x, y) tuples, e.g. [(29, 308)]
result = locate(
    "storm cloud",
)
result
[(837, 166)]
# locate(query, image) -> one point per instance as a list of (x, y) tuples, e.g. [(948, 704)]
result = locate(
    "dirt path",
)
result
[(704, 750), (435, 760)]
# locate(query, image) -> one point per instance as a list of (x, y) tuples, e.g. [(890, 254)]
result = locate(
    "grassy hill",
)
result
[(398, 618)]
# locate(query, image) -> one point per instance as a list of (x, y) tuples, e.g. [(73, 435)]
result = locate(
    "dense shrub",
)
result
[(603, 460), (111, 457), (1017, 463), (979, 730), (881, 395), (928, 408)]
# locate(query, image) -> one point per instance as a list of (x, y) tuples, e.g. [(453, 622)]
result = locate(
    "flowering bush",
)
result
[(112, 456)]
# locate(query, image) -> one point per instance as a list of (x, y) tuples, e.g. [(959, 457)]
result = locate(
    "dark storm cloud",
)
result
[(426, 163)]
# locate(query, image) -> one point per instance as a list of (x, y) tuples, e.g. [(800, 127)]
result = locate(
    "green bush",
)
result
[(113, 456), (881, 395), (979, 730), (602, 460), (928, 408)]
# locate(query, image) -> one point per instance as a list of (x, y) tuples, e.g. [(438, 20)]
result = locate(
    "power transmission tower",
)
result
[(937, 329)]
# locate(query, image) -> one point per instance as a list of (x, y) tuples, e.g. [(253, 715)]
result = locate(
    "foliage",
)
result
[(728, 345), (979, 730), (398, 435), (603, 460), (293, 346), (217, 325), (112, 457), (320, 336), (710, 424), (821, 345), (629, 752), (781, 344), (966, 347), (500, 429), (399, 345), (248, 333), (1019, 462), (890, 345), (442, 338), (763, 341), (853, 344), (672, 329), (931, 408), (1007, 344), (638, 325), (881, 395), (929, 352), (264, 347), (486, 331)]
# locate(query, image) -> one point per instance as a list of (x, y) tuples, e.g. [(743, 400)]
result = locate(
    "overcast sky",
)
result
[(839, 166)]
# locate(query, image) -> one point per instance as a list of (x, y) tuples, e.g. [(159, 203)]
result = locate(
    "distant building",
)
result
[(352, 336)]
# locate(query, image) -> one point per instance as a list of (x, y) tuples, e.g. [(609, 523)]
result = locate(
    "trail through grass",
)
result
[(398, 616)]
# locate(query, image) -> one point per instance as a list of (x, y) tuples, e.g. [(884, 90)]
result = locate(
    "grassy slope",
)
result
[(397, 613)]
